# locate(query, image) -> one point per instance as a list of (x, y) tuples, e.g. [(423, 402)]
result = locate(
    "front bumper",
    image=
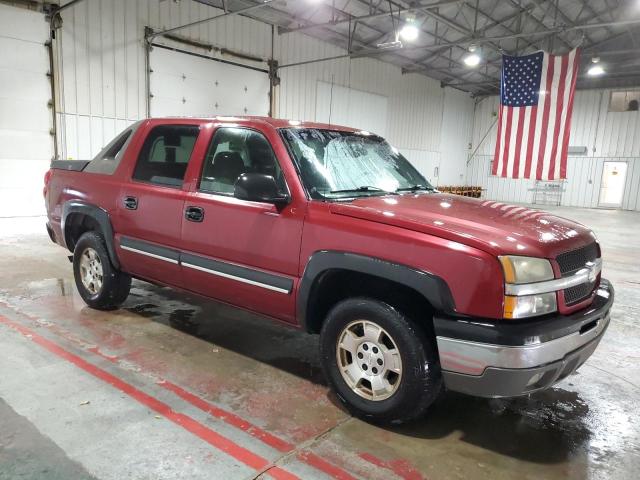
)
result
[(507, 359)]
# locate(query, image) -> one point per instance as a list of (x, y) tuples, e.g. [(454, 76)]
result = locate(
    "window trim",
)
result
[(635, 90), (162, 185), (100, 157), (231, 195)]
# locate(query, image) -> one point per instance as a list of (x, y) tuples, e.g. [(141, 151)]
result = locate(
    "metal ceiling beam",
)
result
[(376, 52), (364, 18), (469, 38), (228, 13), (437, 38), (481, 40), (635, 73)]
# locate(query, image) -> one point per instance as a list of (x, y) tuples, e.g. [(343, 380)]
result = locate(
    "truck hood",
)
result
[(494, 227)]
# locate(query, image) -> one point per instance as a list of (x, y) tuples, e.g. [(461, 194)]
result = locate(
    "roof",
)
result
[(609, 29), (247, 120)]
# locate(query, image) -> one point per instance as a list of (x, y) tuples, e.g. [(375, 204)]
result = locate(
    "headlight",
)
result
[(529, 305), (526, 269), (522, 270)]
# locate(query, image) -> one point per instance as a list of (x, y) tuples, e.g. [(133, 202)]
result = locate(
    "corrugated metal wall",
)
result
[(455, 137), (101, 62), (608, 136), (102, 84)]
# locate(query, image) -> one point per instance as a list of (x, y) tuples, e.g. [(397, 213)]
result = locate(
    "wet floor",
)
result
[(263, 390)]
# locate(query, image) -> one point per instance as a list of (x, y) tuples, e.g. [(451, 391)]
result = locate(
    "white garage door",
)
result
[(188, 85), (25, 119), (351, 108)]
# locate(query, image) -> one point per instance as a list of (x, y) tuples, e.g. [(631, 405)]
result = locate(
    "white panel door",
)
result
[(25, 118), (352, 108), (187, 85)]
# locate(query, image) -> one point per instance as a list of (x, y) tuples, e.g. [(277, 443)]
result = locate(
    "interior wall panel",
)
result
[(101, 60), (26, 146), (607, 135)]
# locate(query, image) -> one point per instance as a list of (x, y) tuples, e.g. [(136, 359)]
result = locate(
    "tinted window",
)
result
[(109, 157), (234, 151), (165, 154)]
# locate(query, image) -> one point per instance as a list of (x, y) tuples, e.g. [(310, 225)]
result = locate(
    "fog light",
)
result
[(529, 305)]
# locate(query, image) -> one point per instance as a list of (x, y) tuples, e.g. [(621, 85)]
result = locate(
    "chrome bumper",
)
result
[(526, 363)]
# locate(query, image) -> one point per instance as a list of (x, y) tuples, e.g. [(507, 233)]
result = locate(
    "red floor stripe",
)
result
[(228, 417), (211, 437), (321, 464), (399, 467)]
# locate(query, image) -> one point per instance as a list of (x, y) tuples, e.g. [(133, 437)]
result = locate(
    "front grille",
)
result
[(578, 293), (570, 262)]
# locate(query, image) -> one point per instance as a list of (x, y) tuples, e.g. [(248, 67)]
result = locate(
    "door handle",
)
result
[(130, 203), (194, 214)]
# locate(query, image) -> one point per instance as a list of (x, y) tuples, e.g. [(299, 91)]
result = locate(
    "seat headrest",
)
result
[(228, 166)]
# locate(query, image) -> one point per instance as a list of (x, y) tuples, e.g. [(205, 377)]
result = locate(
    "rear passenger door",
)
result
[(238, 251), (151, 204)]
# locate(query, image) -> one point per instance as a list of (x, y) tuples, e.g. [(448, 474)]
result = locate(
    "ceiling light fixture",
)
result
[(596, 69), (473, 59), (410, 30)]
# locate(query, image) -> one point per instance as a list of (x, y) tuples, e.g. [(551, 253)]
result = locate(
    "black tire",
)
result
[(421, 381), (115, 284)]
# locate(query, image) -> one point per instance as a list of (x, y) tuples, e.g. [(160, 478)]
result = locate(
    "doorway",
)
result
[(614, 175)]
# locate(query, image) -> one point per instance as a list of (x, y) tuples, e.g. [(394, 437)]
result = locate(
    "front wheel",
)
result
[(99, 283), (382, 365)]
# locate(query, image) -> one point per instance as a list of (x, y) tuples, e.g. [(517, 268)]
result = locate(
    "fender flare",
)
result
[(100, 215), (430, 286)]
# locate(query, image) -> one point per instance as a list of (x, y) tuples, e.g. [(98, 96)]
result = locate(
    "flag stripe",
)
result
[(539, 116), (516, 157), (564, 63), (545, 117), (507, 140), (567, 125)]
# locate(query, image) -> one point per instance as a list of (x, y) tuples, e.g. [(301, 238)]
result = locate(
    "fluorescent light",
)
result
[(388, 45), (596, 71), (409, 32), (472, 60)]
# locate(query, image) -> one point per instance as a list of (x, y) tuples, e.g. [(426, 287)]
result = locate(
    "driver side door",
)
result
[(241, 252)]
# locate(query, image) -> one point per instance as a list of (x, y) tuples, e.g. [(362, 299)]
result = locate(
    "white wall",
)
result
[(607, 136), (102, 85), (26, 145)]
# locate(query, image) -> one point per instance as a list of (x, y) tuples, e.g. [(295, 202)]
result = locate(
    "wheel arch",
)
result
[(328, 272), (79, 217)]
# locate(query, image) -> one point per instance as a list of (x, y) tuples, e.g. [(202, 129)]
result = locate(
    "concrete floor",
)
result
[(172, 386)]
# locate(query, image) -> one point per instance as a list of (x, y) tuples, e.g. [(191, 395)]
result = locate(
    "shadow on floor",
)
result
[(546, 427)]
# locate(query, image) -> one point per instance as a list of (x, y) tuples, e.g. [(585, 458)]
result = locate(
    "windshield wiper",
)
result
[(363, 188), (415, 188)]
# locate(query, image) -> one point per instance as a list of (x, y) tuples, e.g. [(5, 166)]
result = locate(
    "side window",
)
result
[(165, 154), (109, 158), (234, 151)]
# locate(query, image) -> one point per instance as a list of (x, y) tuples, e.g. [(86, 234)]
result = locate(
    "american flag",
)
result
[(536, 101)]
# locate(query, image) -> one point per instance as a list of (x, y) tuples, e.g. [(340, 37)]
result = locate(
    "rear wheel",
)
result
[(382, 365), (99, 283)]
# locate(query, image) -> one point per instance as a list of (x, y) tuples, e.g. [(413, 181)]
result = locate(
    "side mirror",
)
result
[(258, 187)]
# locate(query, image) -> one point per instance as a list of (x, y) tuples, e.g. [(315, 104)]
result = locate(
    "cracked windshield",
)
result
[(335, 164)]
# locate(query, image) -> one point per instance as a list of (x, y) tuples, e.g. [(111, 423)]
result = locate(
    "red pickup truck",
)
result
[(332, 230)]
